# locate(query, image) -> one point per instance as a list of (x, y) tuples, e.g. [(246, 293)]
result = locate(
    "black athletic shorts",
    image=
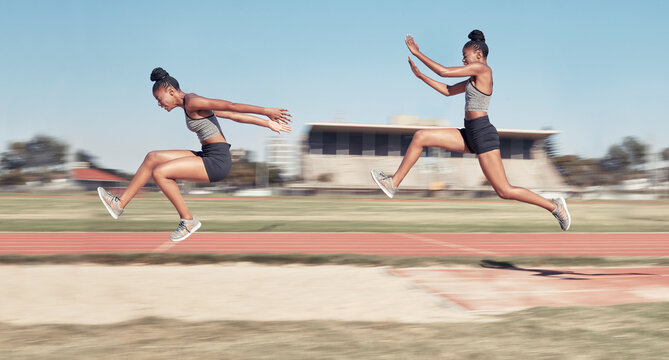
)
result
[(480, 135), (217, 160)]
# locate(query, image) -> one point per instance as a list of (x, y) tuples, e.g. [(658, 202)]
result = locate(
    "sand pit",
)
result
[(100, 294)]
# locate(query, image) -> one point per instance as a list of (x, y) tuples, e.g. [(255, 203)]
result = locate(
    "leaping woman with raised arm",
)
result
[(478, 136)]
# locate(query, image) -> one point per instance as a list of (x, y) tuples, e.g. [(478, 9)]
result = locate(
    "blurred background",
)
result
[(580, 105), (578, 93)]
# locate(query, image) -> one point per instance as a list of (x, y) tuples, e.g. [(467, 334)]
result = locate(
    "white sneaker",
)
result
[(385, 182), (185, 229), (562, 214), (111, 202)]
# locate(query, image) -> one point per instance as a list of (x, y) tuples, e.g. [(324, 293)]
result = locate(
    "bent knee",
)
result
[(505, 193), (159, 173), (152, 158), (420, 136)]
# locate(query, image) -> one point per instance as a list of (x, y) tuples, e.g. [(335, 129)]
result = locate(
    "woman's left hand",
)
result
[(277, 127), (411, 44), (281, 116), (414, 68)]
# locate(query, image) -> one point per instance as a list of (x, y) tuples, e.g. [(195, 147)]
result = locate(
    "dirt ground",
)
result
[(100, 294)]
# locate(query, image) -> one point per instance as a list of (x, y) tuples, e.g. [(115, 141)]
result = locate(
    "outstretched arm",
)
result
[(201, 103), (447, 90), (250, 119), (444, 71)]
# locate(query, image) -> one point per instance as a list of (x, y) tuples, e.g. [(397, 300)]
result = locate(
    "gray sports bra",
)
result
[(205, 127), (475, 99)]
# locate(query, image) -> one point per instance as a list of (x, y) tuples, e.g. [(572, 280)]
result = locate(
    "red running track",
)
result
[(395, 244)]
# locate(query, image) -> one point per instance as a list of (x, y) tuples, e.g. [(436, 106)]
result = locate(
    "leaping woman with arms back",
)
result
[(209, 165)]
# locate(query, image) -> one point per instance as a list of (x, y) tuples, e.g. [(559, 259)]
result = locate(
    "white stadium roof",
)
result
[(507, 133)]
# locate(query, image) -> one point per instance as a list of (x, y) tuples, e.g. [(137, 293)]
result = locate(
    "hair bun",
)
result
[(476, 35), (158, 74)]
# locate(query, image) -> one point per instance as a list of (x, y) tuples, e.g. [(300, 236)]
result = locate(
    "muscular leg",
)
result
[(189, 168), (151, 161), (449, 139), (493, 169)]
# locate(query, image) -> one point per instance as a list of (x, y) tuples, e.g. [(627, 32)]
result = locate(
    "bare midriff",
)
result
[(214, 139), (471, 115)]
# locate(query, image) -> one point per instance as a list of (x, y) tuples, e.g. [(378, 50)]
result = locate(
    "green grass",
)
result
[(635, 331), (84, 212)]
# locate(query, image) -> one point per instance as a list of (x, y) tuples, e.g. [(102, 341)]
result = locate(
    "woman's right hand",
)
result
[(413, 47), (281, 116), (277, 127), (414, 68)]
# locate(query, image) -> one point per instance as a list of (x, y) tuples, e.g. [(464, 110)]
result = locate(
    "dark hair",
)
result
[(163, 79), (477, 41)]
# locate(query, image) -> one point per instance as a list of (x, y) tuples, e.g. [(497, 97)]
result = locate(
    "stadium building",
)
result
[(284, 156), (340, 155)]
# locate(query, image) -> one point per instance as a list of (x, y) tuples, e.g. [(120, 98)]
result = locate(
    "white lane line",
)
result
[(164, 246), (450, 245)]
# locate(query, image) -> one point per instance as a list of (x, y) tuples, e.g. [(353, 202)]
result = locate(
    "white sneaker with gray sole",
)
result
[(111, 202), (185, 229), (562, 214), (385, 182)]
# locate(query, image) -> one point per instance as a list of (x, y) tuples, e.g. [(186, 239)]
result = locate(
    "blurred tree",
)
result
[(583, 172), (616, 159), (274, 175), (12, 160), (247, 173), (14, 177), (636, 150), (39, 151), (621, 162), (45, 151), (84, 156), (243, 173), (665, 154)]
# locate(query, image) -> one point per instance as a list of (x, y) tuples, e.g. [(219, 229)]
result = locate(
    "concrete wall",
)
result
[(455, 173)]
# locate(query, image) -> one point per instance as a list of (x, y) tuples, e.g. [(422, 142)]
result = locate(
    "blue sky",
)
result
[(79, 70)]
